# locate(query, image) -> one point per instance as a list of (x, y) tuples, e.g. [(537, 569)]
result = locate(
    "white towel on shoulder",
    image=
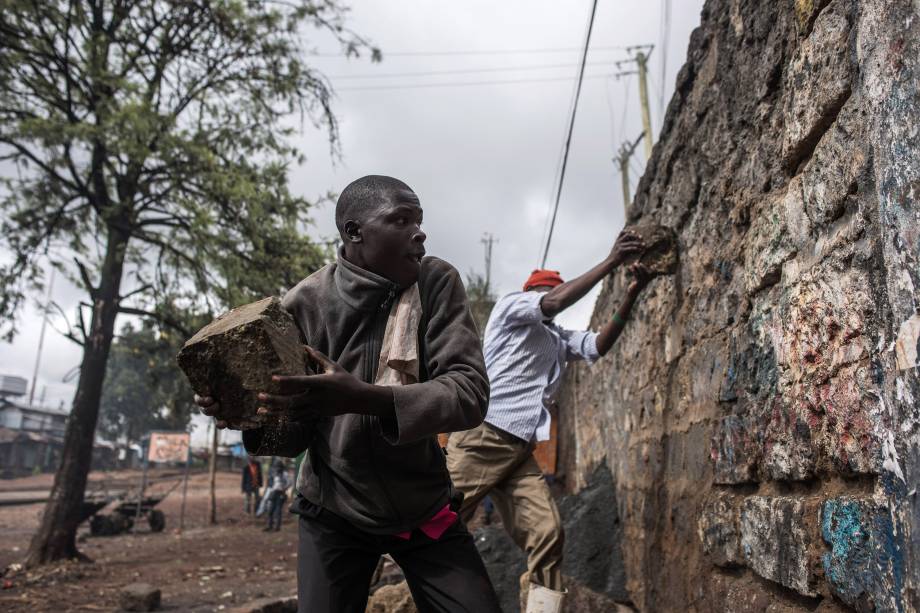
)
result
[(399, 352)]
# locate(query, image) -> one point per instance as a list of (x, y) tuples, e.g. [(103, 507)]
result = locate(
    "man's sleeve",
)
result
[(521, 308), (580, 345), (456, 395)]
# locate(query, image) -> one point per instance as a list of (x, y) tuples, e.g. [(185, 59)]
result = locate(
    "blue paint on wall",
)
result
[(865, 565)]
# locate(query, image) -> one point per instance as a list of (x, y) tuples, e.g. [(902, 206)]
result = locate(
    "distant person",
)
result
[(526, 354), (489, 509), (251, 484), (391, 334), (278, 483)]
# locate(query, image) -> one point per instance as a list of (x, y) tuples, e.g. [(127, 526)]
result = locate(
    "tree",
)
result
[(144, 389), (481, 300), (150, 156)]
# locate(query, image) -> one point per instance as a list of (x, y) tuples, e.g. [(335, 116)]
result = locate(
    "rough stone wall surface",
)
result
[(759, 413)]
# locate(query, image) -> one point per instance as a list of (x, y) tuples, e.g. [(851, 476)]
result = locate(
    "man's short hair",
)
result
[(363, 196)]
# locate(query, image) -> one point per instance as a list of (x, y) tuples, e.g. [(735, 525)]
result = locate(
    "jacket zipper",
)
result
[(373, 359)]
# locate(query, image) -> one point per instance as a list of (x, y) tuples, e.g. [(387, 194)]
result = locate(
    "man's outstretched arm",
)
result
[(565, 295), (613, 328)]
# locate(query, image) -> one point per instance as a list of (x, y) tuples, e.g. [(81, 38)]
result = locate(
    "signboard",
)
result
[(168, 447)]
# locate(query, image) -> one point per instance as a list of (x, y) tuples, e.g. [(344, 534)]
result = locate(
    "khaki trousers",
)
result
[(487, 460)]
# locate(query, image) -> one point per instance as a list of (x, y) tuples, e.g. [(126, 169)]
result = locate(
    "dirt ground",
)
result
[(206, 568)]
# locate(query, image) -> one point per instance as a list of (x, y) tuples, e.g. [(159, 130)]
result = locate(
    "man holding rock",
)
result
[(526, 354), (390, 333)]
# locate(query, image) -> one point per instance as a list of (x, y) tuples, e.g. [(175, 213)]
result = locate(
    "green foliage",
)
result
[(144, 389), (481, 300), (158, 127)]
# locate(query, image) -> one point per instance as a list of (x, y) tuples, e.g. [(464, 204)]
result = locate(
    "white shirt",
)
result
[(526, 357)]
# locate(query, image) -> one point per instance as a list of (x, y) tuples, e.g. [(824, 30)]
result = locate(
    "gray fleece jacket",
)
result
[(383, 475)]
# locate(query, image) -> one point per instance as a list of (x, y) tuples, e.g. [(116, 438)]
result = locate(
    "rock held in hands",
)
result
[(234, 357), (660, 254)]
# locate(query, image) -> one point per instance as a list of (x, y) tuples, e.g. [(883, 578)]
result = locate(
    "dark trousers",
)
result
[(275, 508), (251, 502), (335, 562)]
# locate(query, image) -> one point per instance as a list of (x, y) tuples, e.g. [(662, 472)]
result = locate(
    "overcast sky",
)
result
[(483, 157)]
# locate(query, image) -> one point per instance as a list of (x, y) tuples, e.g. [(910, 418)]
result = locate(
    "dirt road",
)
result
[(206, 568)]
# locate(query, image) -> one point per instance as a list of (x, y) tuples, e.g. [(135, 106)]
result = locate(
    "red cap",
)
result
[(543, 277)]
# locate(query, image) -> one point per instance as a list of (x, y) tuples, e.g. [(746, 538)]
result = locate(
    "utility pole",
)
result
[(626, 151), (488, 240), (642, 53), (41, 336), (642, 63), (212, 475)]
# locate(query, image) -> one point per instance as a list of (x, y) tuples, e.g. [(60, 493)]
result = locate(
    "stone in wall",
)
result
[(718, 529), (593, 557), (818, 82), (865, 564), (775, 541)]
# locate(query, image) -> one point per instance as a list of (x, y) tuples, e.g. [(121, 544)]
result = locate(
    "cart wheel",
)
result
[(157, 520)]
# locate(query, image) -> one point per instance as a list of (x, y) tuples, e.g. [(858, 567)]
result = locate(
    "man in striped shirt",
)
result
[(526, 354)]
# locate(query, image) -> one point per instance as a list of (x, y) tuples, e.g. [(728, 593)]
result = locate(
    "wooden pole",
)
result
[(140, 495), (626, 151), (188, 463), (623, 160), (41, 337), (642, 62), (212, 468)]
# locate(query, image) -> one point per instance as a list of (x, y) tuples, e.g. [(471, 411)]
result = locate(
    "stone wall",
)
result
[(758, 413)]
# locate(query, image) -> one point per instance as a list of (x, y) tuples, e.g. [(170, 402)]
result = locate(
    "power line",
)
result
[(625, 107), (660, 100), (665, 39), (635, 165), (431, 73), (461, 84), (568, 140), (610, 108), (559, 161), (477, 51)]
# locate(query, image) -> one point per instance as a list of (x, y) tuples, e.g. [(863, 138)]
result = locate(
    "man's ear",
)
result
[(352, 231)]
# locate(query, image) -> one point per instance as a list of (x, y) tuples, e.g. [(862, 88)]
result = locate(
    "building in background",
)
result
[(31, 437)]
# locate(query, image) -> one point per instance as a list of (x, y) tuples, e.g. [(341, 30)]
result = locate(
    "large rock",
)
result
[(593, 534), (775, 541), (593, 559), (394, 598), (505, 563), (863, 568), (660, 254), (719, 532), (234, 357), (272, 604), (139, 597)]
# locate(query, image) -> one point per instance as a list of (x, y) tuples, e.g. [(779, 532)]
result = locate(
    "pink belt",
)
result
[(434, 527)]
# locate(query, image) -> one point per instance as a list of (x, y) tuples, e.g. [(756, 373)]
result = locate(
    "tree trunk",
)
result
[(56, 536), (212, 467)]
